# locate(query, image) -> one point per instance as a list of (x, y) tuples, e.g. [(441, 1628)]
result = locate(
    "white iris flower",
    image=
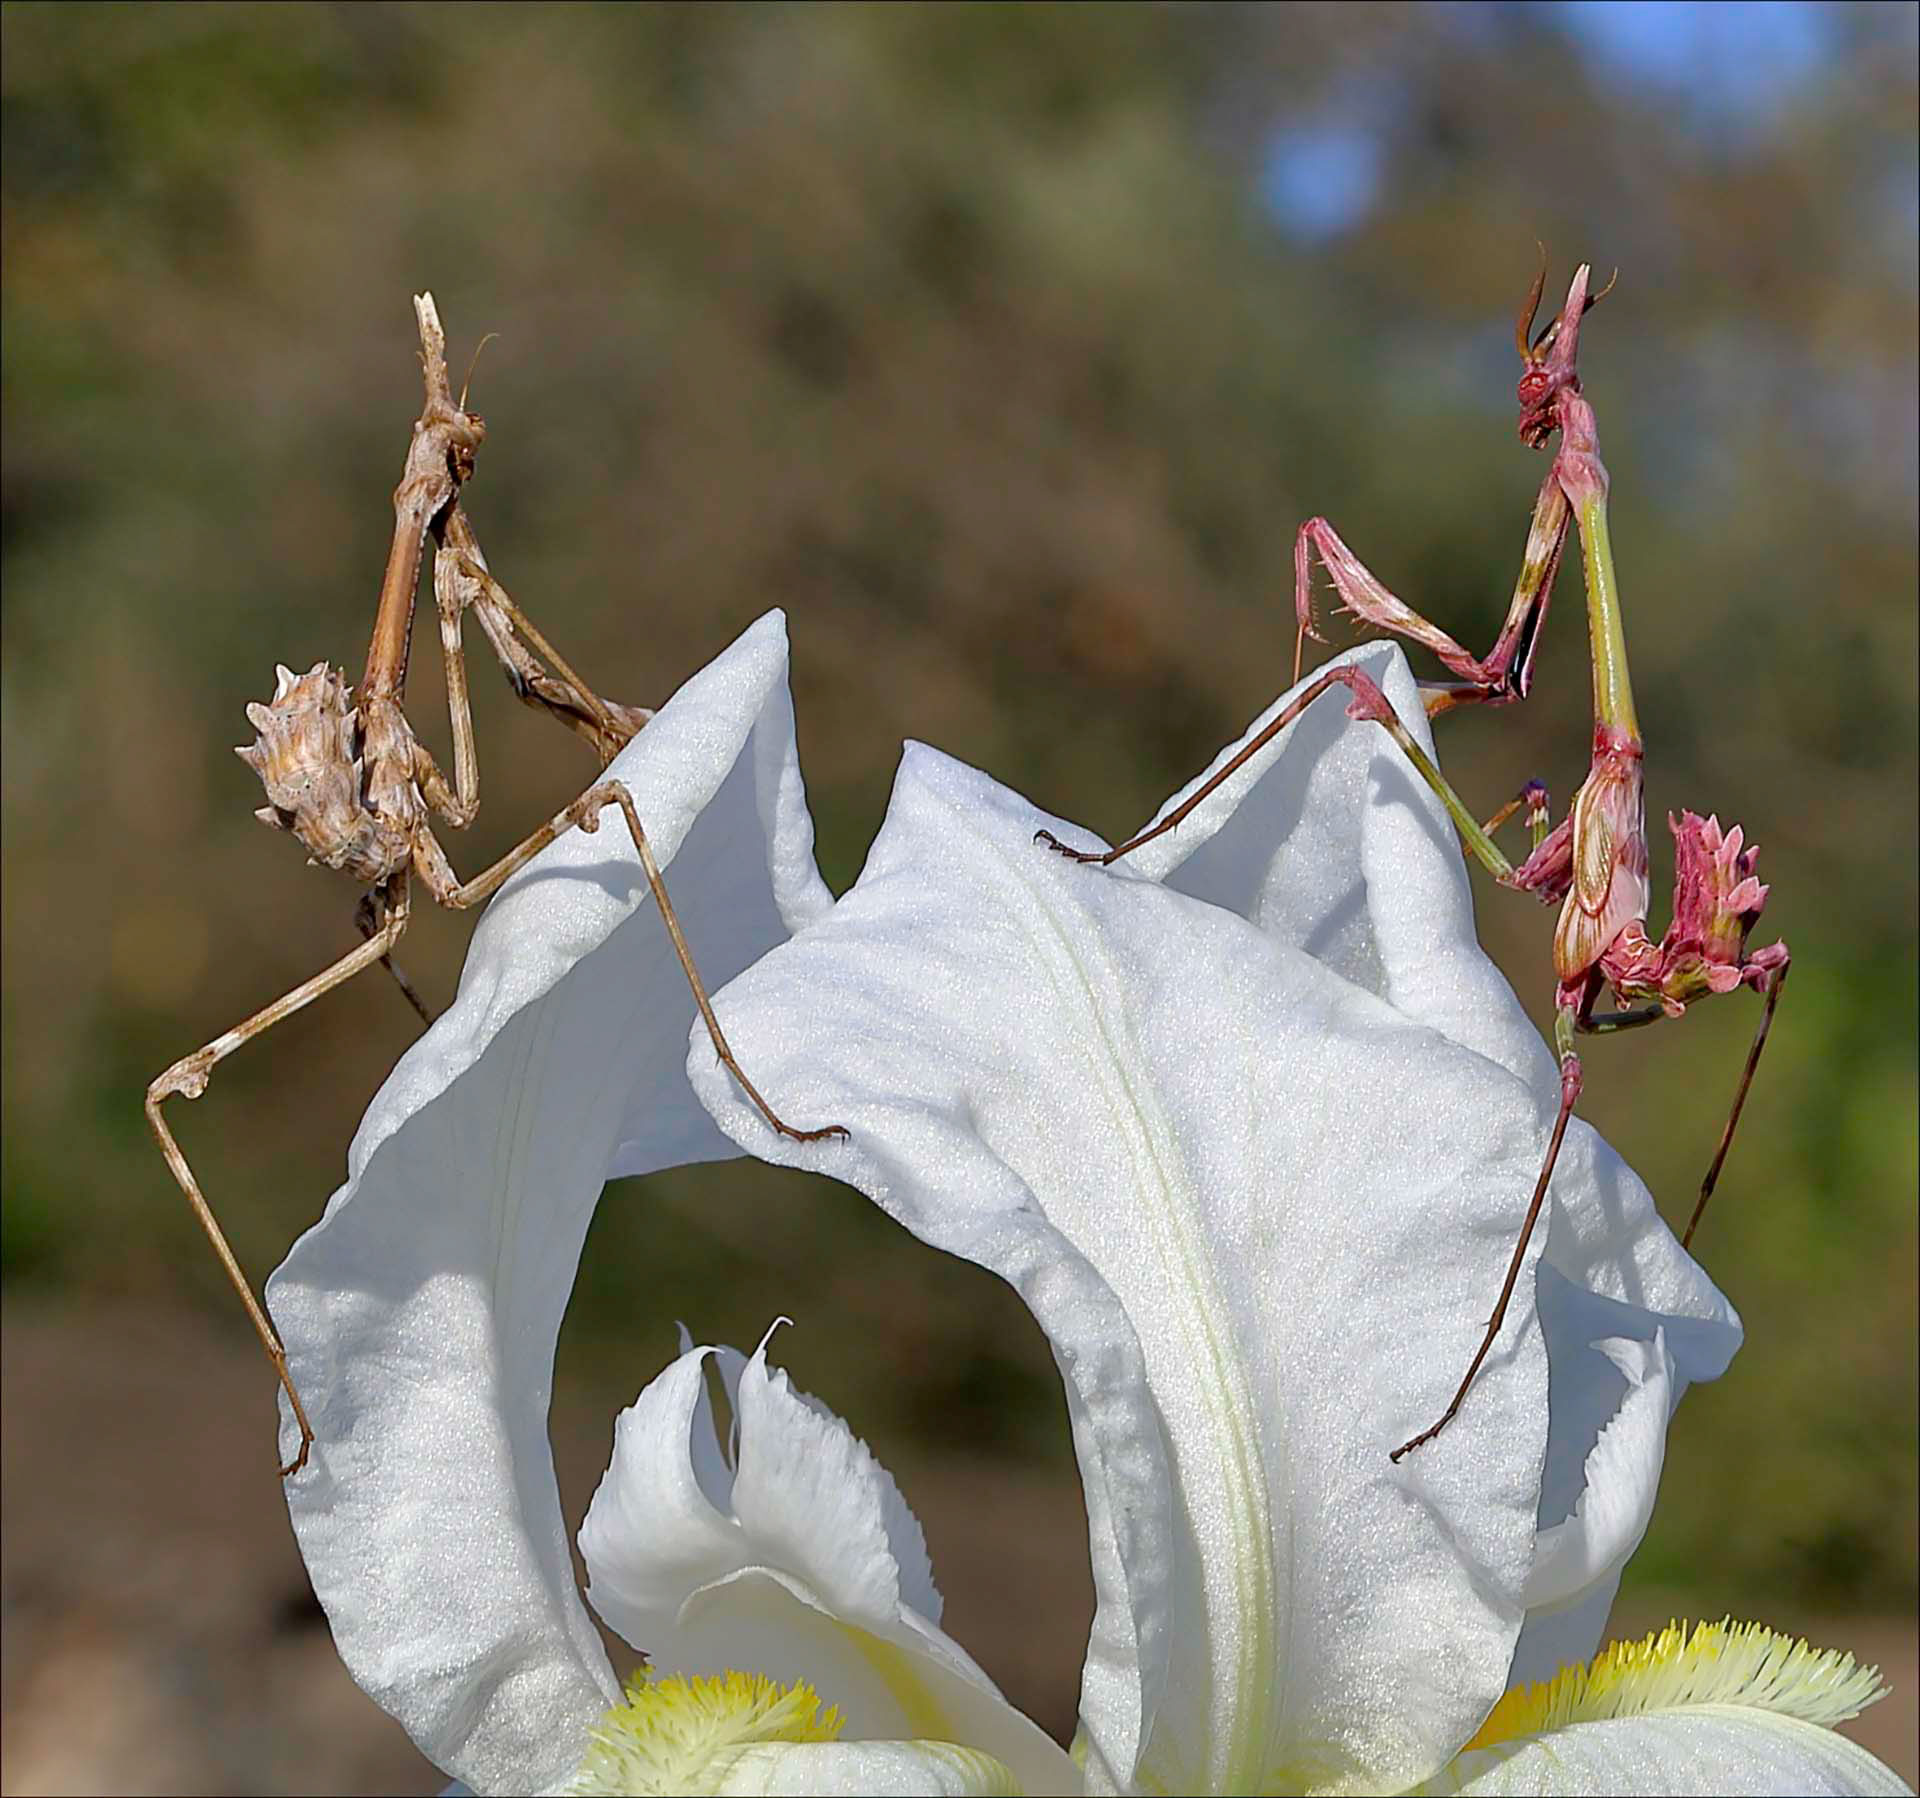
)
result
[(1249, 1122)]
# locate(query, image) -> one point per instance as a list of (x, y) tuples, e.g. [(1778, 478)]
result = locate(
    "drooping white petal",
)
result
[(420, 1314), (1716, 1708), (1700, 1753), (1261, 1215), (799, 1579), (855, 1769), (1587, 1388)]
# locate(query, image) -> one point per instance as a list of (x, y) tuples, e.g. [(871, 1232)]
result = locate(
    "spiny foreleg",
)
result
[(537, 673), (1506, 672)]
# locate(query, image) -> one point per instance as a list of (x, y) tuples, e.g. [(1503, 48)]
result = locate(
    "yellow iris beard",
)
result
[(1713, 1663), (679, 1734)]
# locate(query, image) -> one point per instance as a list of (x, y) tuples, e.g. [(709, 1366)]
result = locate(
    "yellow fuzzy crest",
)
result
[(1711, 1663)]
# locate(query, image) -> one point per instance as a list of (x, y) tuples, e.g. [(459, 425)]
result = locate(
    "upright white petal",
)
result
[(420, 1314), (799, 1575), (1261, 1215), (1328, 840)]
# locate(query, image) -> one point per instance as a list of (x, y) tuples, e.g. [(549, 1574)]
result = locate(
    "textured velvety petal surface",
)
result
[(1261, 1214), (420, 1314), (1702, 1751), (1328, 840)]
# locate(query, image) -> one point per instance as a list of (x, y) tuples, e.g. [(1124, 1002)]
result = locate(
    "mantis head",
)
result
[(1550, 357)]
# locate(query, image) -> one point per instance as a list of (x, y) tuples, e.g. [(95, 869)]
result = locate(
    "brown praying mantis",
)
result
[(1594, 863), (345, 775)]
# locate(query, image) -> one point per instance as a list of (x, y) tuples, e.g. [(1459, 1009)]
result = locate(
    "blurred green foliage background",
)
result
[(1004, 348)]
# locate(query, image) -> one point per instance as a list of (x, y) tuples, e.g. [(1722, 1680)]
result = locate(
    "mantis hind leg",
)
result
[(188, 1077), (1739, 1101), (1570, 1082)]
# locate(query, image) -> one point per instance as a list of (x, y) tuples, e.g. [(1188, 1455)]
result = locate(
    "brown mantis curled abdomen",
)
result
[(1594, 865), (346, 776)]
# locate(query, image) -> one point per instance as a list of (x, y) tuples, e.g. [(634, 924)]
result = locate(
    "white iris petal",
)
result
[(1206, 1160), (810, 1568), (1279, 1174), (420, 1314)]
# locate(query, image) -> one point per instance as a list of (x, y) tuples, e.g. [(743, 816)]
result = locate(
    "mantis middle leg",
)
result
[(584, 814)]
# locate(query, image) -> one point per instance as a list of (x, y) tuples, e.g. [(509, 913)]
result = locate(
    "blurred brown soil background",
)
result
[(1004, 348)]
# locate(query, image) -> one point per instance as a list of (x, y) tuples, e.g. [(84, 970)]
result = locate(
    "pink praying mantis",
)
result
[(1594, 863)]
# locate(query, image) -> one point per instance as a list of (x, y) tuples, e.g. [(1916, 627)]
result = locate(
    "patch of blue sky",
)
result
[(1726, 67), (1320, 180), (1731, 63)]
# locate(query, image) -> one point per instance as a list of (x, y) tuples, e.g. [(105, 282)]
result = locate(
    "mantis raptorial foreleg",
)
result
[(462, 580), (1506, 672), (188, 1078)]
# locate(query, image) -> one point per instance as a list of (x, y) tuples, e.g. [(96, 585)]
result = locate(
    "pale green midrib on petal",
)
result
[(1238, 1759)]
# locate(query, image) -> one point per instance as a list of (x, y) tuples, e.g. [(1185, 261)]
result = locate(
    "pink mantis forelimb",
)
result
[(1505, 673)]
